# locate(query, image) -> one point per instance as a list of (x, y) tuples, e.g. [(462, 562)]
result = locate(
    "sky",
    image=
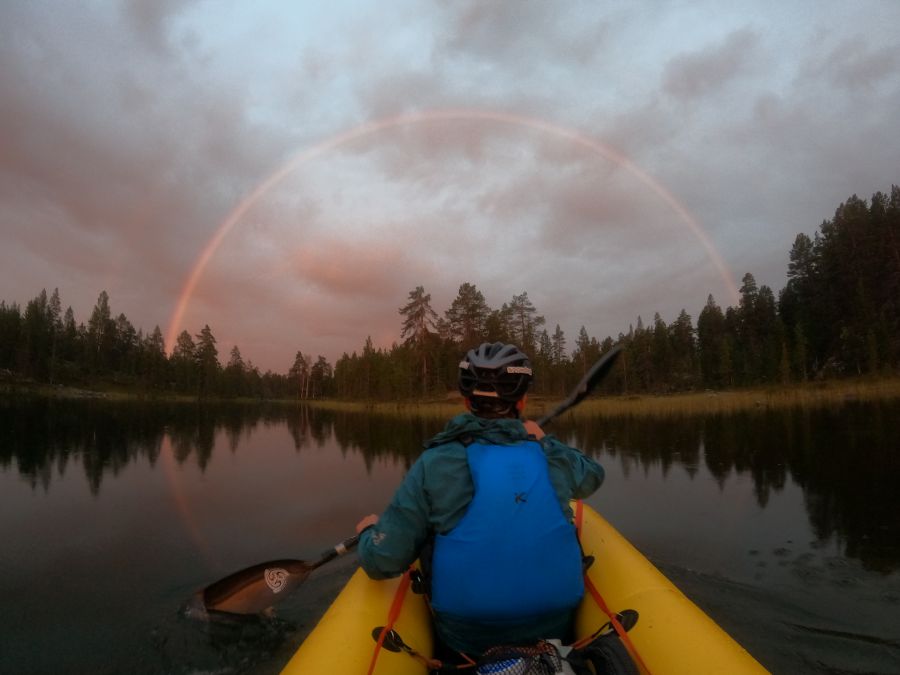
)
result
[(287, 172)]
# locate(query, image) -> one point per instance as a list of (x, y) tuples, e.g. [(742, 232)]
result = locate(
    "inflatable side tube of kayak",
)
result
[(342, 640), (672, 635)]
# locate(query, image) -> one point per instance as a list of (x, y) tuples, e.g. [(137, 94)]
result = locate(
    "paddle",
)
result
[(588, 383), (254, 589), (257, 588)]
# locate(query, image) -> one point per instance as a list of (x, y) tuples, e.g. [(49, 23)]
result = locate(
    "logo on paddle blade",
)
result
[(276, 579)]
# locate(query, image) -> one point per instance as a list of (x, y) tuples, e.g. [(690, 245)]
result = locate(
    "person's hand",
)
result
[(534, 430), (368, 521)]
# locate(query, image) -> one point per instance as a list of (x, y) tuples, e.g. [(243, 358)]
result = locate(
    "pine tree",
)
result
[(300, 372), (467, 316), (524, 322), (183, 364), (100, 335), (641, 357), (748, 330), (70, 339), (582, 355), (418, 327), (770, 335), (54, 319), (683, 351), (559, 346), (235, 373), (498, 325), (10, 330), (320, 377), (123, 347), (711, 342), (34, 346), (206, 356), (891, 277), (156, 365), (543, 361)]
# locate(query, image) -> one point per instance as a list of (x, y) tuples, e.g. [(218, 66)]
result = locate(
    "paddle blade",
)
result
[(588, 383), (597, 374), (254, 589)]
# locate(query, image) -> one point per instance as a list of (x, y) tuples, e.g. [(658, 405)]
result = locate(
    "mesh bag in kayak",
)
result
[(539, 659)]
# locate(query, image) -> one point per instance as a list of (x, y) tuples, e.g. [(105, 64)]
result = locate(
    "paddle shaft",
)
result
[(335, 552)]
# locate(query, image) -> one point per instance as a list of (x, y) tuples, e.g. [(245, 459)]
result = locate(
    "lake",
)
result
[(783, 525)]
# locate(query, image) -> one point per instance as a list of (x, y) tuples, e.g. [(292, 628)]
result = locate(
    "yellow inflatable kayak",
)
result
[(670, 635)]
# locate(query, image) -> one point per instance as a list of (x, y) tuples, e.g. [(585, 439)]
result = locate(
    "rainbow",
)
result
[(432, 116)]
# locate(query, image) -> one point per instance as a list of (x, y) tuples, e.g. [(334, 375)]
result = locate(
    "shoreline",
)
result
[(817, 394), (814, 394)]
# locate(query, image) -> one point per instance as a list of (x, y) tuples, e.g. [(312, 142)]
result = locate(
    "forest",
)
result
[(838, 315)]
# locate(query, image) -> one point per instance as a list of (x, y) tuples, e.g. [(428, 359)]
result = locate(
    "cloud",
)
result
[(703, 72), (114, 173), (150, 20), (356, 269), (129, 134), (525, 36), (856, 66)]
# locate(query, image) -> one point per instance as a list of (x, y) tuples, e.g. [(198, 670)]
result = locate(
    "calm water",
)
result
[(785, 527)]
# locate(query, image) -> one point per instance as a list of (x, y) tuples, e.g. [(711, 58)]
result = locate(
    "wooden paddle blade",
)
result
[(257, 588)]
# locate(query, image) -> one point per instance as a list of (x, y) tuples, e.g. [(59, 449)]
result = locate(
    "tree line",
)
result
[(839, 314), (45, 344)]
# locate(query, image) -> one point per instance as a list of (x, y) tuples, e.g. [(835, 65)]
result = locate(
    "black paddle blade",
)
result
[(588, 383), (596, 374), (252, 590)]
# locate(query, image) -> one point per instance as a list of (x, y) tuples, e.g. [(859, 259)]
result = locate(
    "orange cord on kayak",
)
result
[(589, 585), (393, 613)]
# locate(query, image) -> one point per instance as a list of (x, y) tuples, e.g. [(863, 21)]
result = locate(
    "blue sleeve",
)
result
[(389, 547)]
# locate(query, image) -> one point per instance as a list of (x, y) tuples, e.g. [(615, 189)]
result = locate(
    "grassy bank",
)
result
[(117, 393), (816, 394), (710, 402), (831, 393), (444, 408)]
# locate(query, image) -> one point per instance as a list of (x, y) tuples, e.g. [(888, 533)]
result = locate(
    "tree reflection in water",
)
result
[(844, 458)]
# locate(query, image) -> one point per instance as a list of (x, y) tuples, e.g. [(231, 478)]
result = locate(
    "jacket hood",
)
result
[(468, 427)]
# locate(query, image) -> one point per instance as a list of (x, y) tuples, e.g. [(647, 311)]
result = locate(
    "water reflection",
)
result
[(43, 435), (844, 458)]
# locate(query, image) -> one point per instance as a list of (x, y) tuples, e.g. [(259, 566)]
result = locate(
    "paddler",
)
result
[(486, 510)]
